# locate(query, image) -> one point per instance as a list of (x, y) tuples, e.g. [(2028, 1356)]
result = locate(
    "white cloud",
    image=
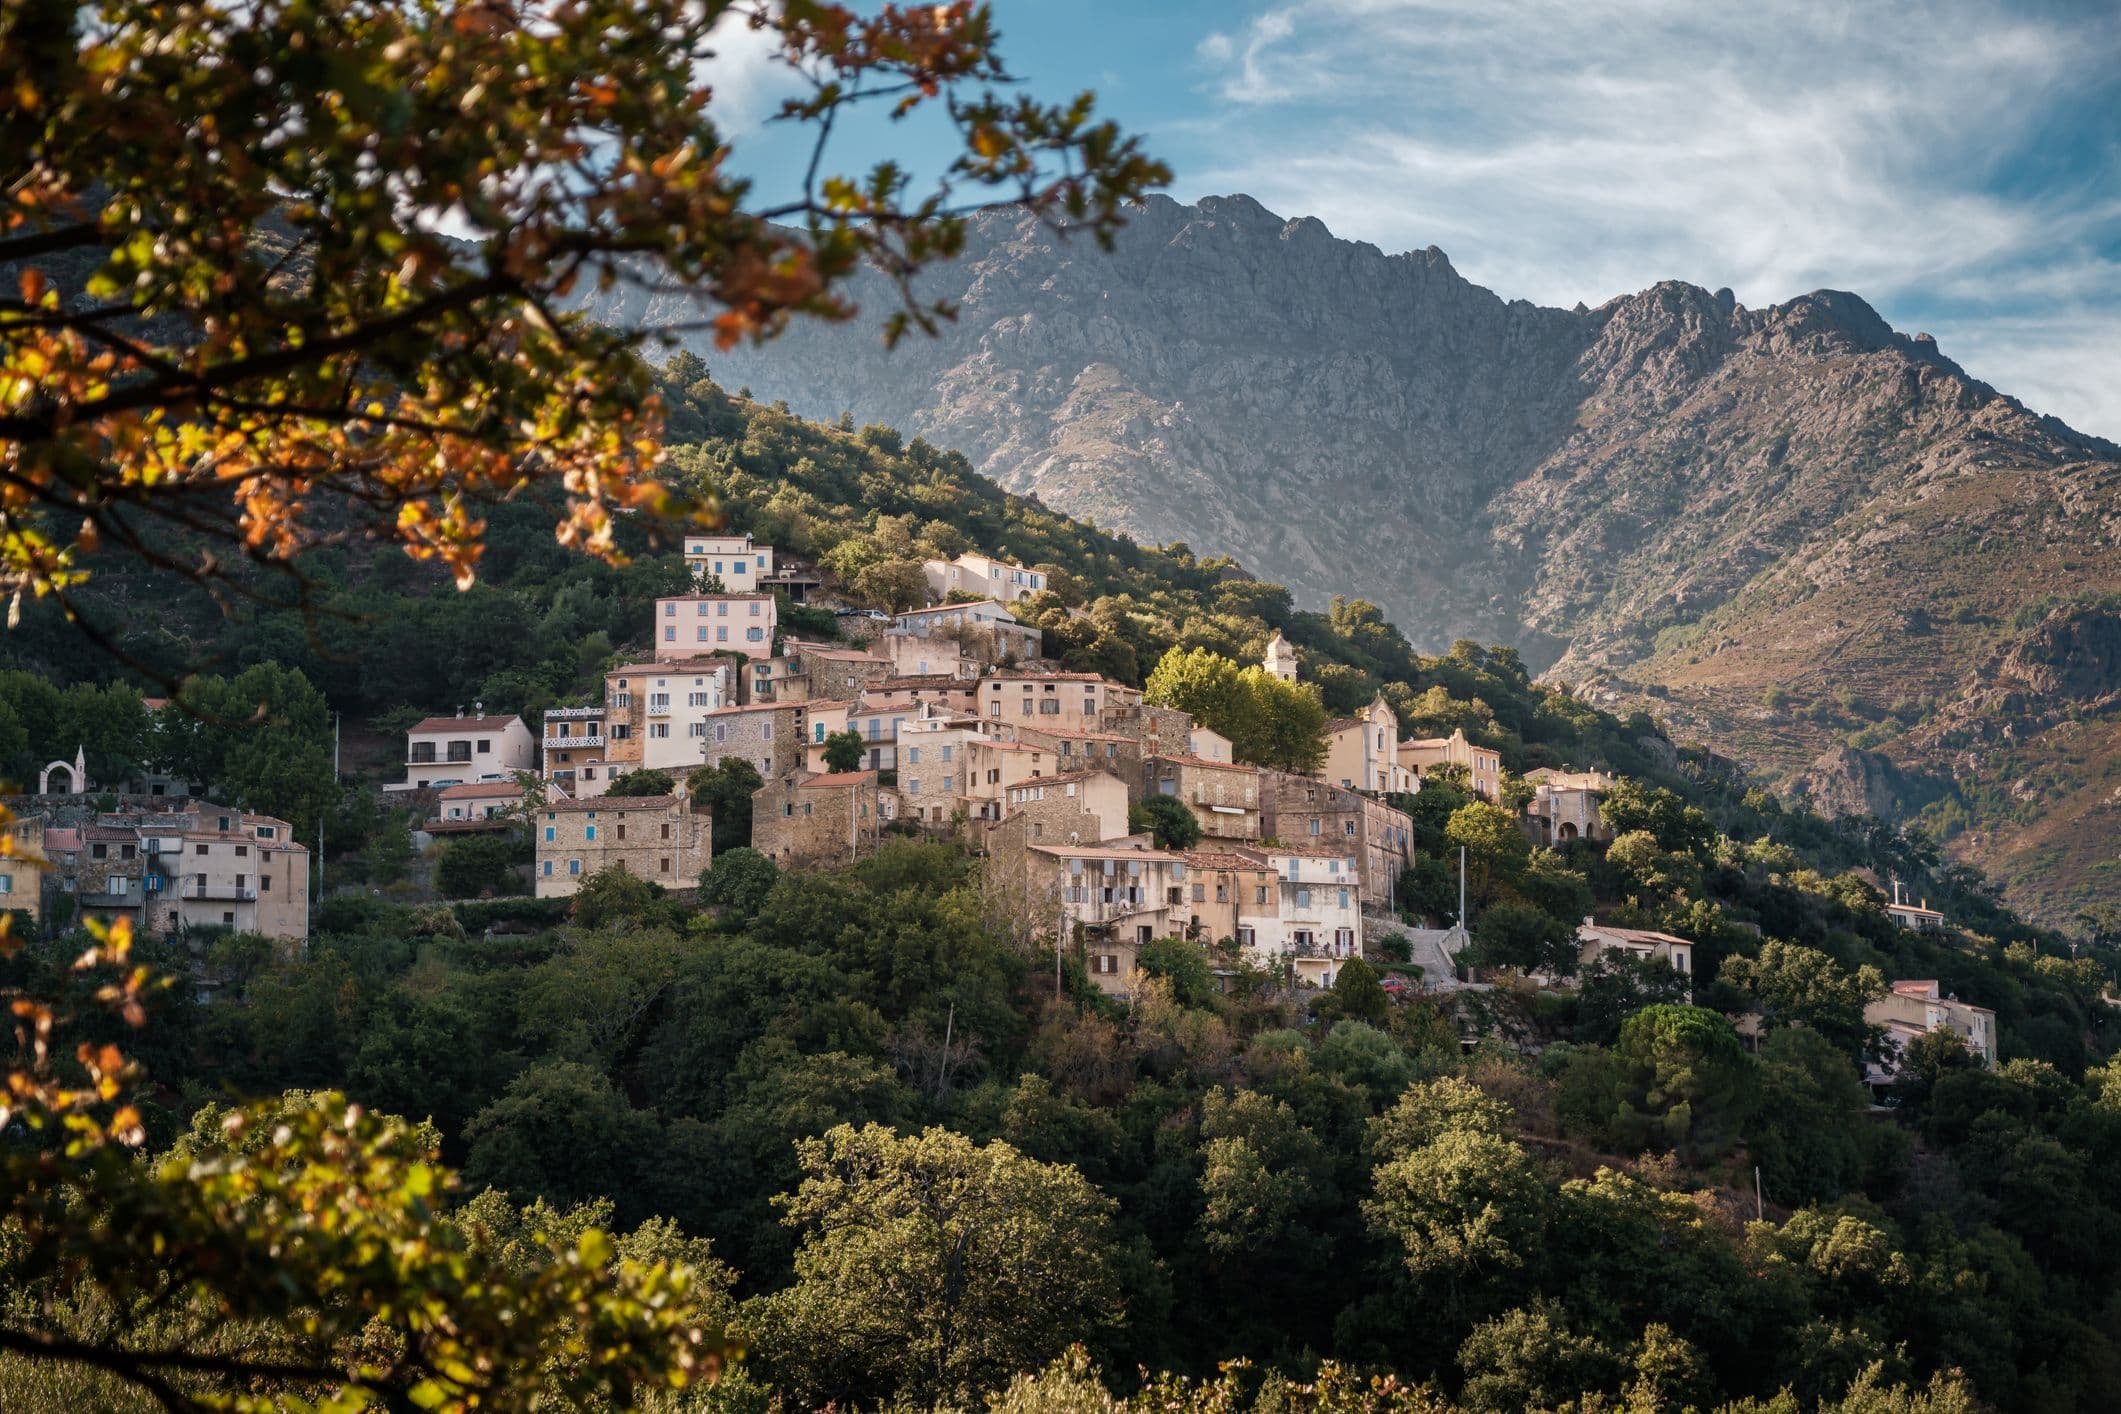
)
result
[(1580, 149), (749, 75)]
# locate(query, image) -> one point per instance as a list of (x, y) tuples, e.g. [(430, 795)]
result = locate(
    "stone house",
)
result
[(802, 821), (1106, 900), (1306, 810), (985, 631), (772, 736), (933, 764), (992, 765), (934, 690), (1155, 731), (1221, 884), (659, 838), (1482, 764), (1074, 807), (205, 866), (1076, 749), (839, 673), (1077, 700), (1564, 805), (916, 655), (443, 751), (1223, 796), (696, 625)]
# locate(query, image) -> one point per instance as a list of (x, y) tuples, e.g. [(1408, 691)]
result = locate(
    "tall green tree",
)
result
[(931, 1267)]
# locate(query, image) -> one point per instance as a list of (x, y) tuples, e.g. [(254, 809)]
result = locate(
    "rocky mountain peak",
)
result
[(1669, 490)]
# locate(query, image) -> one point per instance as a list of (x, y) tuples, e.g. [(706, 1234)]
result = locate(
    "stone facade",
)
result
[(1223, 796), (803, 821), (1564, 805), (1077, 700), (659, 838), (1075, 807), (206, 866), (771, 736), (1308, 811), (1104, 900)]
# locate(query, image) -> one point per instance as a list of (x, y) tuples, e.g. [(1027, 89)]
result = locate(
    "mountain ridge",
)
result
[(1671, 500)]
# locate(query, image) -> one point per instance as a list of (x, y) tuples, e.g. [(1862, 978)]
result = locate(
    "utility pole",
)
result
[(1461, 886)]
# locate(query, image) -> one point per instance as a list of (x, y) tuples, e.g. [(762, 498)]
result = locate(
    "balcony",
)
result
[(568, 714), (568, 743)]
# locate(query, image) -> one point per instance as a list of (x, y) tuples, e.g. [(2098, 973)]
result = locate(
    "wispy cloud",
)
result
[(1956, 161)]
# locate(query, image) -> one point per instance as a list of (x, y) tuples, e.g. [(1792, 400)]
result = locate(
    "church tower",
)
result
[(1281, 658)]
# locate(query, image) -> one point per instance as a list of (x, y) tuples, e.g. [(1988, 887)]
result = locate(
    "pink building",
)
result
[(695, 625)]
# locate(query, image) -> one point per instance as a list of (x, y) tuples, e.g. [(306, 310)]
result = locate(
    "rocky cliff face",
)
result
[(1734, 507)]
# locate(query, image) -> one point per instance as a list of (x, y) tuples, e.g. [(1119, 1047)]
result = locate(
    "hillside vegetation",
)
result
[(1671, 500)]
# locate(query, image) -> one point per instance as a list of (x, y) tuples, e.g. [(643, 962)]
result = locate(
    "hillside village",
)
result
[(942, 721)]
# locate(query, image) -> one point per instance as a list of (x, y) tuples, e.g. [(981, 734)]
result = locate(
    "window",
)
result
[(721, 633), (228, 918), (698, 729), (242, 851), (102, 851), (548, 834), (1200, 893), (754, 635), (670, 633), (1314, 826), (1246, 936), (914, 785), (666, 829), (721, 610), (947, 784), (1303, 898), (1222, 893), (198, 849), (1343, 898), (659, 730), (1259, 894), (754, 608), (702, 634), (622, 832), (590, 834), (574, 866), (913, 756), (666, 862), (670, 609)]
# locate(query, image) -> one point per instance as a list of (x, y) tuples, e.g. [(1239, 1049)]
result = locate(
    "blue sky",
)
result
[(1957, 163)]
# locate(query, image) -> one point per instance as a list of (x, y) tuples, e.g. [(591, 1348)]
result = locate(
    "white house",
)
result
[(1310, 918), (739, 563), (447, 751)]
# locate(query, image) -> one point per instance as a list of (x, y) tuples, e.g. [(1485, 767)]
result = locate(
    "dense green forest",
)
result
[(918, 1173)]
